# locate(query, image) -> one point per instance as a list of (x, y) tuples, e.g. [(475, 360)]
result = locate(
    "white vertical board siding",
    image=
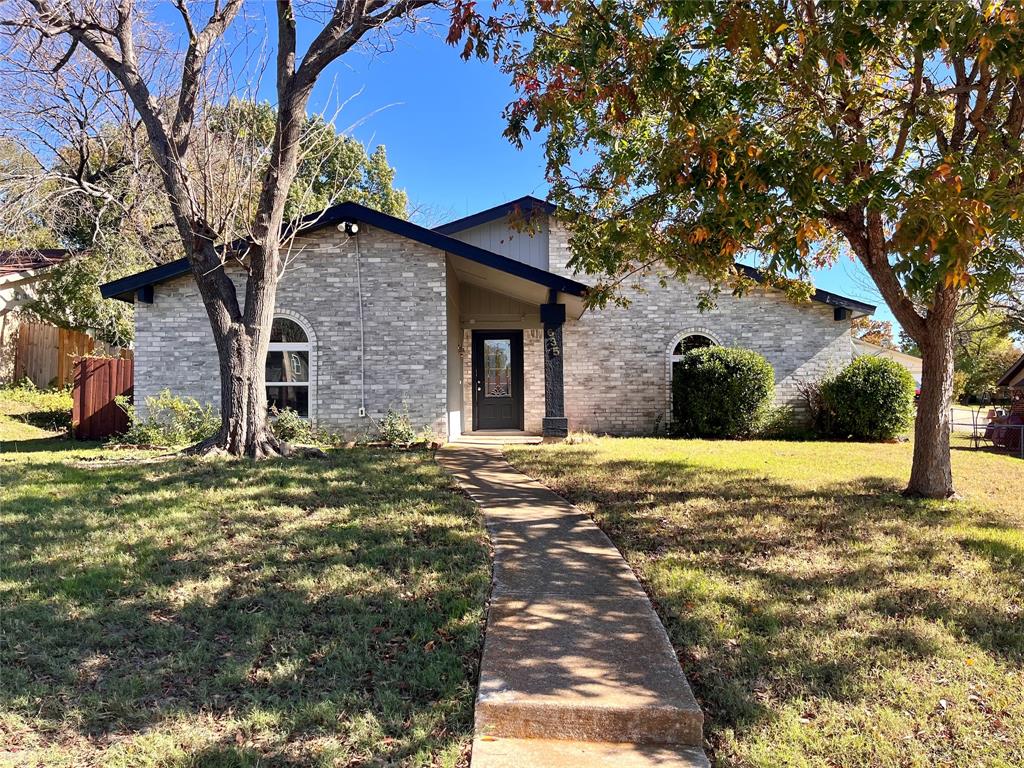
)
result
[(498, 237)]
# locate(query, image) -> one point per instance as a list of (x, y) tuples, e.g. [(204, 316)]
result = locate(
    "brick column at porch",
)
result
[(552, 315)]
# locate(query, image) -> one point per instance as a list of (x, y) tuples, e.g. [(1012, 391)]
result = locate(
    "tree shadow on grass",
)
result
[(293, 602), (774, 593)]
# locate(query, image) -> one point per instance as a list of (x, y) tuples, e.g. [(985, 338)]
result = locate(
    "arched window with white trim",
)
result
[(694, 338), (290, 364), (691, 342)]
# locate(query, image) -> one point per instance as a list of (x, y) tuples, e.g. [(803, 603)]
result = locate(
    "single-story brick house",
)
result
[(472, 326)]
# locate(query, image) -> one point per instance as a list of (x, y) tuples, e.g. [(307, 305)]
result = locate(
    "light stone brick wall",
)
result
[(617, 360), (533, 379), (404, 304)]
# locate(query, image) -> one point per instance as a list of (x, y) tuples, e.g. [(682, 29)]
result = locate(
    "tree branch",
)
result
[(194, 63), (911, 109)]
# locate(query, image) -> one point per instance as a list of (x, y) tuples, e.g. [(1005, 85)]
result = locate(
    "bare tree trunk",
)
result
[(241, 330), (931, 474), (242, 337)]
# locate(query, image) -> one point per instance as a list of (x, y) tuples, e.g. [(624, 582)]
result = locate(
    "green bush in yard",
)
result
[(721, 392), (170, 421), (287, 425), (396, 428), (870, 399)]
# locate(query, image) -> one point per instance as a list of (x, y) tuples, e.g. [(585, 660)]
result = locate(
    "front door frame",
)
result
[(516, 337)]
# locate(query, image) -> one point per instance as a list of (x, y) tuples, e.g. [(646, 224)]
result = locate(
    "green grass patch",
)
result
[(822, 618), (192, 612), (27, 412)]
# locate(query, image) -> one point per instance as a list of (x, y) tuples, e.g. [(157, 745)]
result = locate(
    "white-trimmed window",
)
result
[(695, 338), (690, 342), (289, 367)]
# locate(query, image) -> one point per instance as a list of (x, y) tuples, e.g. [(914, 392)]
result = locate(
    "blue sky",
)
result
[(440, 119)]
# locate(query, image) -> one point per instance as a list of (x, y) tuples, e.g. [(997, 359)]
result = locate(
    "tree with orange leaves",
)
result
[(677, 134)]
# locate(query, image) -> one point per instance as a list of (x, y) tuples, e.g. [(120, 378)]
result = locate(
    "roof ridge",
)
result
[(526, 202)]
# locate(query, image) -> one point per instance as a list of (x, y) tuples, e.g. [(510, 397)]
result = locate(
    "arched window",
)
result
[(289, 360), (693, 341), (695, 338)]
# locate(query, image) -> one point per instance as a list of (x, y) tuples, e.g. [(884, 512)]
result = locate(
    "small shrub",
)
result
[(780, 422), (870, 399), (721, 392), (396, 428), (822, 417), (287, 425), (170, 421)]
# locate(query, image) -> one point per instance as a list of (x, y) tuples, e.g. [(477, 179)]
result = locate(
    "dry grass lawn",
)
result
[(214, 614)]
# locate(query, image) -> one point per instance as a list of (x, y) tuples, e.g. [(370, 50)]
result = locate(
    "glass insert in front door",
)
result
[(497, 368)]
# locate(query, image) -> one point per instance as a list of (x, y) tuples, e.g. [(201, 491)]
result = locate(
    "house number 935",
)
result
[(552, 342)]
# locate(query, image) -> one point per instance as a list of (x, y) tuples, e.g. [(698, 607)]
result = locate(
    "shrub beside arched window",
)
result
[(288, 366), (720, 392)]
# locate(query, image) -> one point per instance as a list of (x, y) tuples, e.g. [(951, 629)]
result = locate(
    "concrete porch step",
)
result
[(498, 437), (550, 753), (592, 669)]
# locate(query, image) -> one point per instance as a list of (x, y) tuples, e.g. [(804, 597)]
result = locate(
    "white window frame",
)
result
[(671, 358), (297, 346)]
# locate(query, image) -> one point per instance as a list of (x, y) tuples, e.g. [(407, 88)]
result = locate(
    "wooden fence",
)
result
[(98, 380), (45, 354)]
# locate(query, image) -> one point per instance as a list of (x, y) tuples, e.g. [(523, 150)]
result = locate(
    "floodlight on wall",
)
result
[(349, 227)]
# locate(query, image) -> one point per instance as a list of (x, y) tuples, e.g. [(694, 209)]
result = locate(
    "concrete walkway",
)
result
[(577, 669)]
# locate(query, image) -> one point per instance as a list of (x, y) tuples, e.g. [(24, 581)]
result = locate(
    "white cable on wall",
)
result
[(362, 332)]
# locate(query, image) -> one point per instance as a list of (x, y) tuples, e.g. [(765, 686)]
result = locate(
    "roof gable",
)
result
[(525, 205), (1015, 370), (126, 287)]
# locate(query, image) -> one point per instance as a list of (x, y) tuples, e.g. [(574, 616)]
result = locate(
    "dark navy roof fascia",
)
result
[(1016, 368), (825, 297), (522, 204), (529, 203), (125, 288)]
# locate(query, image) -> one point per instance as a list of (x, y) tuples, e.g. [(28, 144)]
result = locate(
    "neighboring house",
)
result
[(910, 362), (1014, 378), (472, 325), (20, 273)]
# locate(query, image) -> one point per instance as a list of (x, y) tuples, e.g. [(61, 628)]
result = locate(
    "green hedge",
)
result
[(721, 392), (871, 399)]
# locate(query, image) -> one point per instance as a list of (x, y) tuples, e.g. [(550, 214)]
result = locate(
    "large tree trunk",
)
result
[(242, 336), (931, 474), (245, 427)]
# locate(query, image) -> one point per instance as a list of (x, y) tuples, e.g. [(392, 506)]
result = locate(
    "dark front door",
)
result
[(497, 379)]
